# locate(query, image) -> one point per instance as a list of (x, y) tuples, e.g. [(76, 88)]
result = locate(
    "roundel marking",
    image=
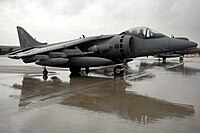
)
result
[(116, 46)]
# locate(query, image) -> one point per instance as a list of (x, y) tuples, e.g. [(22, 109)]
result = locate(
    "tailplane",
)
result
[(26, 40)]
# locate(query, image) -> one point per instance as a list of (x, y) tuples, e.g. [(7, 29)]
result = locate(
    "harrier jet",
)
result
[(97, 51)]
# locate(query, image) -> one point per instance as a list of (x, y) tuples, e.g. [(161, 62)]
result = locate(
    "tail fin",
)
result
[(26, 40)]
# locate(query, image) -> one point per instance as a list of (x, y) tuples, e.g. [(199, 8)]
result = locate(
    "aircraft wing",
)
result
[(56, 46)]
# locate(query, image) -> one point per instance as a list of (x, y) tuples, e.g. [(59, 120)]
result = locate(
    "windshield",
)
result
[(144, 32)]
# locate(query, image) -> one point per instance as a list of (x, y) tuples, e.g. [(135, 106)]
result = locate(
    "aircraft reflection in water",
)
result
[(101, 95)]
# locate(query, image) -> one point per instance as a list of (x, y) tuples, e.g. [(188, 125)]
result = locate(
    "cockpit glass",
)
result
[(144, 32)]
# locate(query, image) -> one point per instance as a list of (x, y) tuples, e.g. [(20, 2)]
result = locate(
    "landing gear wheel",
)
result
[(75, 71), (118, 70), (181, 59), (45, 72)]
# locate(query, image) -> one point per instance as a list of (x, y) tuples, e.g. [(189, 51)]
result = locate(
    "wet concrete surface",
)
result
[(151, 97)]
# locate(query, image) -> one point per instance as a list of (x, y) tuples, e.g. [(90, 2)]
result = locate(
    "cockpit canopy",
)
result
[(144, 32)]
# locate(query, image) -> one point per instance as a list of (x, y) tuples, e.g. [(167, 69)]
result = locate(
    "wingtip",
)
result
[(19, 27)]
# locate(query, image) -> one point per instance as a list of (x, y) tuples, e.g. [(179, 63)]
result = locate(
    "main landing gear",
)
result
[(75, 71), (181, 59), (119, 70), (164, 60)]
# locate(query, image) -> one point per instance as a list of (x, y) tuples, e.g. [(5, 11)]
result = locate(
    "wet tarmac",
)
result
[(152, 97)]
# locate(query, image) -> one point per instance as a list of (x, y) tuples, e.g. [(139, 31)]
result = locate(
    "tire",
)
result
[(45, 72), (118, 70)]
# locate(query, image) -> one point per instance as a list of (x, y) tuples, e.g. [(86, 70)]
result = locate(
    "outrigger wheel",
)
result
[(118, 70), (45, 72)]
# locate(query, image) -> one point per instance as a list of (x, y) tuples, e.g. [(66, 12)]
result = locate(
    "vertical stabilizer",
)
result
[(26, 40)]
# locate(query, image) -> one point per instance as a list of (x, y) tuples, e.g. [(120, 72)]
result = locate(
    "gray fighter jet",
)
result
[(97, 50)]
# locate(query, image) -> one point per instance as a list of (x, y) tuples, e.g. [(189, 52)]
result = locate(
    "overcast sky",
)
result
[(59, 20)]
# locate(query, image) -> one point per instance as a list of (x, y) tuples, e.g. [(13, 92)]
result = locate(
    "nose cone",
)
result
[(179, 44)]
